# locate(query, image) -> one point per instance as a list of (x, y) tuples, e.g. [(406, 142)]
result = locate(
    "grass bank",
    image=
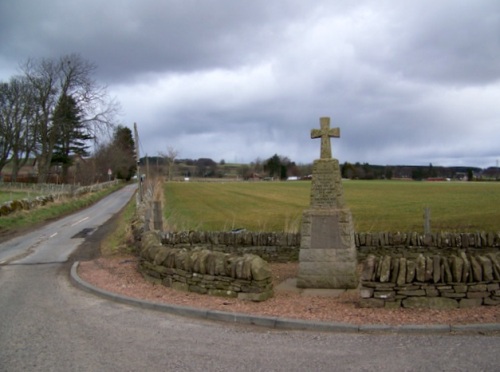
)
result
[(61, 207), (121, 240)]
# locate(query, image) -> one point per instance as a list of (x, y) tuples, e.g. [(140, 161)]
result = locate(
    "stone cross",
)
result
[(325, 133)]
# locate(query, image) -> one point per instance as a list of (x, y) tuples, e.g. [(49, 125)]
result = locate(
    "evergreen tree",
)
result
[(124, 157), (71, 136), (273, 166)]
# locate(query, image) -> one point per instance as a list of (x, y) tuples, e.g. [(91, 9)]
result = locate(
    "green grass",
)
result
[(64, 206), (6, 196), (120, 241), (375, 205)]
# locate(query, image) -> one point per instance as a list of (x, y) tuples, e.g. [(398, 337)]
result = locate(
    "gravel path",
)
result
[(119, 275)]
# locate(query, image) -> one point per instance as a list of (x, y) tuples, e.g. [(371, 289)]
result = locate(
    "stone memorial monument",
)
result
[(327, 257)]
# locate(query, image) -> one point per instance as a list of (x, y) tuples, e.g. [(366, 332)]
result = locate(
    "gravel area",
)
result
[(120, 275)]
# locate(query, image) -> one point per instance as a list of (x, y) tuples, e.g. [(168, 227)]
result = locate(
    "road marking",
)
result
[(54, 234), (77, 222)]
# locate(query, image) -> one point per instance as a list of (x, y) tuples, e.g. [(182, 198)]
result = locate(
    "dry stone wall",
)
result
[(24, 204), (63, 190), (284, 247), (431, 281), (204, 271), (380, 243), (272, 247)]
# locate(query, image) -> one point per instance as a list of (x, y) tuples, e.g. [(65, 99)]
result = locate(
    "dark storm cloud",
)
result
[(129, 38), (407, 81)]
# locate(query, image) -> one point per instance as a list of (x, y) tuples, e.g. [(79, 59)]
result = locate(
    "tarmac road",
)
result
[(46, 324)]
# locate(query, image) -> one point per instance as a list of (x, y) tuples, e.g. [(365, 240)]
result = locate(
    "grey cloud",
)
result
[(393, 75)]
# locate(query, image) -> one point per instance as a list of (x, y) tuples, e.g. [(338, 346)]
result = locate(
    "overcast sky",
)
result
[(408, 82)]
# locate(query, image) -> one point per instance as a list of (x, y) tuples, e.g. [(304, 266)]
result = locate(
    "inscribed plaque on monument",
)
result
[(325, 232), (326, 189)]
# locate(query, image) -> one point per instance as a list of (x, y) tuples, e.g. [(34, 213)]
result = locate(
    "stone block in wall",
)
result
[(149, 239), (464, 239), (398, 239), (431, 292), (150, 252), (368, 238), (478, 288), (380, 286), (429, 269), (415, 239), (420, 268), (428, 240), (466, 269), (460, 288), (487, 268), (410, 271), (260, 269), (161, 255), (368, 270), (477, 270), (466, 303), (183, 260), (495, 265), (453, 295), (491, 239), (493, 287), (385, 295), (396, 304), (197, 289), (483, 239), (401, 279), (446, 277), (436, 269), (456, 266), (491, 302), (416, 292), (477, 294), (366, 292), (198, 260), (385, 269), (408, 287), (394, 269)]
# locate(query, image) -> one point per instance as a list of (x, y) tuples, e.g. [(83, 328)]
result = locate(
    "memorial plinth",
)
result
[(327, 257)]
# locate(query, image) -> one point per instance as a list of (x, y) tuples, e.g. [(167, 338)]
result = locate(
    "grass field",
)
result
[(375, 205), (15, 195)]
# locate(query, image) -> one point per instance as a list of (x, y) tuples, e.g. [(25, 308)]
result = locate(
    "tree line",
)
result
[(53, 114), (275, 167), (278, 167)]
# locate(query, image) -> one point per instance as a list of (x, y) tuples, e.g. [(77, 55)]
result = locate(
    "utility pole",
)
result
[(139, 175)]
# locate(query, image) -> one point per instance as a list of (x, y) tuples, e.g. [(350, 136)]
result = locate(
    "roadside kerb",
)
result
[(276, 322)]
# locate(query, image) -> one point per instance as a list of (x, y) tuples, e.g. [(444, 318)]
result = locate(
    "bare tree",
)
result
[(170, 157), (16, 124), (71, 75)]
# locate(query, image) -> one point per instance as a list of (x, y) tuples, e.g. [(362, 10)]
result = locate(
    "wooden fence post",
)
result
[(427, 220), (157, 216), (147, 219)]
